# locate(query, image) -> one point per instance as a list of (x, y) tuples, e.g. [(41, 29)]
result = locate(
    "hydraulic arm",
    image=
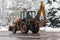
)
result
[(41, 10)]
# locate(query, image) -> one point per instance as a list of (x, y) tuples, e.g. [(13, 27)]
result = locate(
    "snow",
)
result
[(58, 13), (49, 29), (46, 29), (3, 29), (55, 5)]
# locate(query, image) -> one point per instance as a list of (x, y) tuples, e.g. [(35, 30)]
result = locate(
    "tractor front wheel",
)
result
[(24, 28), (14, 30)]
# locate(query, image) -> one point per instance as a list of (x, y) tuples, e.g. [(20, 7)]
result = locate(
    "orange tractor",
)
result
[(29, 21)]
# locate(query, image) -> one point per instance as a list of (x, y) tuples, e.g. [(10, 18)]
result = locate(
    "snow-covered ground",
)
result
[(46, 29), (49, 29), (3, 29)]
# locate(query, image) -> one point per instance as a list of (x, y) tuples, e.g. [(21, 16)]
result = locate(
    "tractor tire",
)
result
[(35, 30), (24, 28), (14, 30)]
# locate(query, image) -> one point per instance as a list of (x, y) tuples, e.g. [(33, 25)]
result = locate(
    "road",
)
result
[(6, 35)]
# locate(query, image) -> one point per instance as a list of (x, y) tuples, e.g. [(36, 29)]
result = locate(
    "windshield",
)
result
[(31, 14)]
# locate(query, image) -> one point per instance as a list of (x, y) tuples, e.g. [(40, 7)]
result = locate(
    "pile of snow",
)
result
[(3, 28), (49, 29)]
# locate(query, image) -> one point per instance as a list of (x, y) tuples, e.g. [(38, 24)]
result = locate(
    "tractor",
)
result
[(29, 20)]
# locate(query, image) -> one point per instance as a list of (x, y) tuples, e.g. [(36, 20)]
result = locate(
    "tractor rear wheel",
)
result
[(24, 28), (35, 30)]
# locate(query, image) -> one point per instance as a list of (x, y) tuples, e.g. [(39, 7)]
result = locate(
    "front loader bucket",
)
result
[(10, 28)]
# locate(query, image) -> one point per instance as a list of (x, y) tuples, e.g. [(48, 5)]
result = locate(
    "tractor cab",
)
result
[(27, 14)]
